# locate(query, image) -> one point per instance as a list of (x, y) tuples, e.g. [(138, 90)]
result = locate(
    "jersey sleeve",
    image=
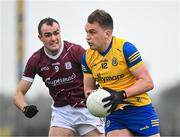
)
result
[(132, 56), (30, 70), (85, 68)]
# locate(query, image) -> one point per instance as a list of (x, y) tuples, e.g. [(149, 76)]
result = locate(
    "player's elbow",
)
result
[(15, 98), (150, 84)]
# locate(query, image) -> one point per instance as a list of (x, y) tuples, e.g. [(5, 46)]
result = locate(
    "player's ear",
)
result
[(40, 37), (108, 33)]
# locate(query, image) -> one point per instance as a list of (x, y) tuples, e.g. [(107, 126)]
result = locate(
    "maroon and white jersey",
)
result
[(62, 74)]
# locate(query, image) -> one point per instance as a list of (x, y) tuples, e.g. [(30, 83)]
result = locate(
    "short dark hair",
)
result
[(48, 21), (103, 18)]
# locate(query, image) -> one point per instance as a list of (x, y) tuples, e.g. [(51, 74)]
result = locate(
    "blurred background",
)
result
[(152, 25)]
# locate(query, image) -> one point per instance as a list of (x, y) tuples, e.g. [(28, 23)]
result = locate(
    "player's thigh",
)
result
[(121, 133), (156, 135), (60, 132), (94, 133)]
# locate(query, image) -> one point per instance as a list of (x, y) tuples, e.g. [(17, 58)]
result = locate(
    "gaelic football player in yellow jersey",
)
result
[(117, 66)]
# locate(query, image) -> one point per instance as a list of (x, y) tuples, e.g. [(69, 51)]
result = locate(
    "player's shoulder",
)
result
[(35, 58), (129, 48), (72, 46), (91, 53), (118, 42), (123, 44), (37, 54)]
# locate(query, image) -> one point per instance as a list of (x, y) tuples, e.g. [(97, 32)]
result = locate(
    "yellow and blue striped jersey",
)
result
[(111, 68)]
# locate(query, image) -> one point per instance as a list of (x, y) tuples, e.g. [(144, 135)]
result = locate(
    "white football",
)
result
[(95, 105)]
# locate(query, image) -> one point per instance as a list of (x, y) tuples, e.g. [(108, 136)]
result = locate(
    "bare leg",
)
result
[(120, 133), (61, 132), (94, 133), (156, 135)]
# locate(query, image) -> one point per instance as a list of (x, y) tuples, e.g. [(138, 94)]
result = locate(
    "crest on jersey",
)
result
[(68, 65), (114, 61)]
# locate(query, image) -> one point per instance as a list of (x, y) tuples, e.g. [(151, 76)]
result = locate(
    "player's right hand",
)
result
[(114, 99), (30, 111), (87, 93)]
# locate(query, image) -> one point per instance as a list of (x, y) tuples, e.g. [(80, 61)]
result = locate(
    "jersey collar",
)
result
[(59, 53), (107, 50)]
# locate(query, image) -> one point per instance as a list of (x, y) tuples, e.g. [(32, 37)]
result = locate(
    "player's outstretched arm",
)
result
[(19, 99)]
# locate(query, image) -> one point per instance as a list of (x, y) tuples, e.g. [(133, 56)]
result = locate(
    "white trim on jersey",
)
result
[(28, 79), (56, 56)]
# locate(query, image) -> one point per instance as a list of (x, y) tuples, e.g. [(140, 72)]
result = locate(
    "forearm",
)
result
[(141, 86), (88, 91), (89, 85), (19, 100)]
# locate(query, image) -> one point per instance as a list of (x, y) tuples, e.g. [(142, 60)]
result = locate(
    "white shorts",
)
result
[(77, 119)]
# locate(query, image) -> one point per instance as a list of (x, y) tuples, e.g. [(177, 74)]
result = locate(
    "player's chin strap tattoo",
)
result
[(30, 111), (114, 99)]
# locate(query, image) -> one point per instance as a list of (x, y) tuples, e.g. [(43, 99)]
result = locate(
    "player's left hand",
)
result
[(30, 111), (114, 99)]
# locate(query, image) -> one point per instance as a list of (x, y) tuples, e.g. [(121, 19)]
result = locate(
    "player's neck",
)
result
[(106, 45), (52, 55)]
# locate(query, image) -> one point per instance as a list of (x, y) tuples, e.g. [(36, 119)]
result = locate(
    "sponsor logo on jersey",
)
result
[(93, 65), (102, 120), (60, 81), (44, 68), (104, 60), (55, 64), (68, 65), (83, 68), (138, 99), (108, 78), (143, 128)]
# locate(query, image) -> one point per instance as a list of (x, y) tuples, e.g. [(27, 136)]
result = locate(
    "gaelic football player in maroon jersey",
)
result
[(58, 62)]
